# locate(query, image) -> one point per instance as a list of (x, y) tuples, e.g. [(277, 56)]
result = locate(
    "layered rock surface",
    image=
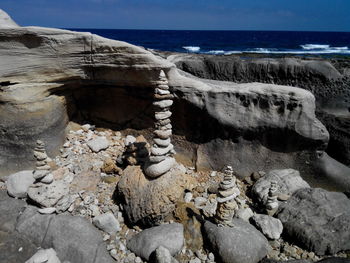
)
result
[(50, 76)]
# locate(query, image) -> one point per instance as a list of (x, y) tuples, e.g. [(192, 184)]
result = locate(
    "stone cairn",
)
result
[(272, 202), (161, 159), (227, 205), (42, 172)]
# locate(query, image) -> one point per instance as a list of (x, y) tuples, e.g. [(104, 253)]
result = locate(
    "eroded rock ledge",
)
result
[(51, 76)]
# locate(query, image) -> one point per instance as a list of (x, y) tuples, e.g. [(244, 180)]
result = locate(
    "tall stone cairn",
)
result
[(272, 202), (42, 172), (161, 158), (227, 205)]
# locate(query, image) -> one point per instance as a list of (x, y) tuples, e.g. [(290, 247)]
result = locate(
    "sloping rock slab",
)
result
[(170, 236), (288, 181), (239, 244), (73, 238), (319, 220), (9, 210)]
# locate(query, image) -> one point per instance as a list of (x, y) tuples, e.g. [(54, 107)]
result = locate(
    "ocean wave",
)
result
[(192, 48), (314, 46)]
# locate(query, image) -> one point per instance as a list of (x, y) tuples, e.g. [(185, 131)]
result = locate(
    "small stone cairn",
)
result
[(161, 159), (227, 205), (42, 172), (272, 202)]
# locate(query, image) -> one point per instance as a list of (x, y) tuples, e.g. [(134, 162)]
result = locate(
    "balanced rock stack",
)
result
[(161, 158), (272, 202), (227, 205), (42, 170)]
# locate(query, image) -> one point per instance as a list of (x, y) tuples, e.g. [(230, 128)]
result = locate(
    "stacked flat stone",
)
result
[(161, 158), (272, 202), (227, 205), (42, 172)]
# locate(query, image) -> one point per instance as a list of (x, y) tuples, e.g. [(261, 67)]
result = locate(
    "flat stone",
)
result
[(162, 115), (163, 134), (157, 159), (107, 222), (170, 236), (271, 227), (163, 103), (241, 243), (17, 184), (161, 151), (161, 142), (98, 144), (162, 91), (157, 169), (129, 139), (47, 211), (48, 195), (38, 174), (48, 179)]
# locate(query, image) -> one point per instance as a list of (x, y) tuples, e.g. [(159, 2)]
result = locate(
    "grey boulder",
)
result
[(44, 256), (170, 236), (18, 183), (241, 243), (288, 181), (319, 220), (271, 227)]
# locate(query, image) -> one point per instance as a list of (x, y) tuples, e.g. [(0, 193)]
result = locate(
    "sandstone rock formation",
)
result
[(327, 79), (6, 21), (50, 76)]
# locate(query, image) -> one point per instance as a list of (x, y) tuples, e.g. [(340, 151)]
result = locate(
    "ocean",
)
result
[(233, 42)]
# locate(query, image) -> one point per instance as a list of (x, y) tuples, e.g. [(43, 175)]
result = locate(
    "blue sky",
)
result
[(317, 15)]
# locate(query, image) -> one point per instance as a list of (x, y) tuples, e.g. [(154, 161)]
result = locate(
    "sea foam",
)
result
[(192, 48)]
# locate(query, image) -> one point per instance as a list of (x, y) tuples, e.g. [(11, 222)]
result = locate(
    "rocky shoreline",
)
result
[(112, 153), (86, 168)]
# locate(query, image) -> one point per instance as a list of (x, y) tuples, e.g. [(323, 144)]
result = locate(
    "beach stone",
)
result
[(271, 227), (239, 244), (44, 256), (48, 195), (162, 91), (107, 222), (170, 236), (129, 139), (244, 214), (18, 183), (319, 220), (48, 179), (157, 169), (162, 255), (157, 159), (288, 181), (148, 201), (98, 144), (162, 115)]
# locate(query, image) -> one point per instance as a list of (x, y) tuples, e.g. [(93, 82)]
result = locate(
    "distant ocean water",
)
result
[(233, 42)]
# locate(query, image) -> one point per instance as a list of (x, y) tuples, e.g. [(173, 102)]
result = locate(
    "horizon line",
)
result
[(264, 30)]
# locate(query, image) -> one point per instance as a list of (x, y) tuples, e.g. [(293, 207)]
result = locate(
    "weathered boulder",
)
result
[(169, 236), (239, 244), (288, 181), (271, 227), (318, 220), (18, 183), (148, 201)]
